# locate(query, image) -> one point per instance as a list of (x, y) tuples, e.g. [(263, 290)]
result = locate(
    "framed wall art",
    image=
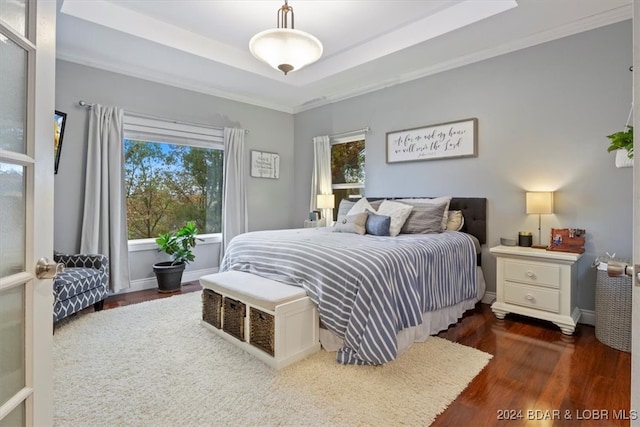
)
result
[(440, 141), (59, 120), (265, 165)]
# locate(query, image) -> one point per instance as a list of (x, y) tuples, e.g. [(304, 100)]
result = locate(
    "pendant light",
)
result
[(285, 49)]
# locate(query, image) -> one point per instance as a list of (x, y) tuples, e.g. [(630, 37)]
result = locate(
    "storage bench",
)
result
[(275, 322)]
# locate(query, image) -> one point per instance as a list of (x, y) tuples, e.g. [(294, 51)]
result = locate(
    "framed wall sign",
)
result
[(444, 140), (265, 165)]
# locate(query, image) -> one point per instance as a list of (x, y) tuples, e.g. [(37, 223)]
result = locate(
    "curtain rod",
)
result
[(149, 116), (351, 132)]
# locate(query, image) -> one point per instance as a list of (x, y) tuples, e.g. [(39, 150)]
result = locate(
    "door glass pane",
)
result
[(14, 13), (13, 87), (13, 223), (12, 352), (15, 417)]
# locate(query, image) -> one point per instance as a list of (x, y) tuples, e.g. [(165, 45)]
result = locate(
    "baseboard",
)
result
[(588, 317), (151, 282), (489, 297)]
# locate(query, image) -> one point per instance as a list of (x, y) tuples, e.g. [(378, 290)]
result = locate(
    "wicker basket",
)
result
[(212, 307), (261, 330), (613, 311), (234, 313)]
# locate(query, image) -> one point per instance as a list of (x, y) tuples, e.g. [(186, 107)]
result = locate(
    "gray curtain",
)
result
[(104, 222), (321, 177), (234, 192)]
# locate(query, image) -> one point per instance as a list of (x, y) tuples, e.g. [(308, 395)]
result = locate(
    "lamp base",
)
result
[(539, 246)]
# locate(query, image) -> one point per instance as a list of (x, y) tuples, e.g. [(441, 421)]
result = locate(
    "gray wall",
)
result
[(270, 202), (544, 113)]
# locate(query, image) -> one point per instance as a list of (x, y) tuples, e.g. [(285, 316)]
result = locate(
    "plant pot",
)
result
[(169, 276), (623, 160)]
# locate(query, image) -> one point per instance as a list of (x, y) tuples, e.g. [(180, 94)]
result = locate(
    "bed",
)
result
[(376, 295)]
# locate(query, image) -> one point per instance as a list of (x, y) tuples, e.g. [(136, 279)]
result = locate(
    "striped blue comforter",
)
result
[(367, 288)]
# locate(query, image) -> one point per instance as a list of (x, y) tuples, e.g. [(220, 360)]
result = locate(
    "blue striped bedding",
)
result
[(367, 288)]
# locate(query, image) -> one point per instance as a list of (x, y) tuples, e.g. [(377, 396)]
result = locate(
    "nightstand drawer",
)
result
[(533, 273), (530, 296)]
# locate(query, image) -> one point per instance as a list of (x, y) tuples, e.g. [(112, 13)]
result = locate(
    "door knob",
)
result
[(46, 269)]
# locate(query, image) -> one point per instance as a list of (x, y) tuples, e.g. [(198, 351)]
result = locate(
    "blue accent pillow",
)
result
[(378, 225)]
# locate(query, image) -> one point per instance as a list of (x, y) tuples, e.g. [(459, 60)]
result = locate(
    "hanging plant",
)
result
[(622, 140)]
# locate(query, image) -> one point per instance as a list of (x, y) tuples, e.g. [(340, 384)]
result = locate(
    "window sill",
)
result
[(139, 245)]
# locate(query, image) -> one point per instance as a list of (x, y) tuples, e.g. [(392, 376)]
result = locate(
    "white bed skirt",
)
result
[(432, 323)]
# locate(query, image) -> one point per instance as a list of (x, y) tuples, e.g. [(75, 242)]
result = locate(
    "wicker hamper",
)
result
[(613, 311), (234, 313), (262, 329), (212, 308)]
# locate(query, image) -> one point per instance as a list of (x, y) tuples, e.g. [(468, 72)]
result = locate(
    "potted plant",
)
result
[(178, 244), (622, 140)]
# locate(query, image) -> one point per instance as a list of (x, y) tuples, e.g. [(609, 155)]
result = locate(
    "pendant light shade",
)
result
[(285, 49)]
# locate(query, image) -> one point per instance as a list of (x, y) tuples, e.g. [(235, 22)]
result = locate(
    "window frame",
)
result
[(156, 130), (346, 140)]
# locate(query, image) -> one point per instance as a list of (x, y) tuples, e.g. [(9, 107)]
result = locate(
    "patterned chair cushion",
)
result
[(85, 281)]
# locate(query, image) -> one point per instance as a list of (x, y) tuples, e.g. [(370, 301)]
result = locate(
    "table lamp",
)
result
[(326, 202), (539, 202)]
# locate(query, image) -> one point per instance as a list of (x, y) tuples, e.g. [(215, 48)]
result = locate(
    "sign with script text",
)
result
[(444, 140)]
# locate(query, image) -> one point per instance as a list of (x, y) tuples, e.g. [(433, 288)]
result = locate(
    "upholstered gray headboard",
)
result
[(474, 210)]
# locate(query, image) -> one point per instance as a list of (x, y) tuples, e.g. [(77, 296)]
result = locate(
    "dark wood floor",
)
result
[(537, 377)]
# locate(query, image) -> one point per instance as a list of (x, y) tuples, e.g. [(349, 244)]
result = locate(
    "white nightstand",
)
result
[(314, 224), (537, 283)]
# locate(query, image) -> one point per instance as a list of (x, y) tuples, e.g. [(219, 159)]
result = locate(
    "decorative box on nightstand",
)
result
[(537, 283)]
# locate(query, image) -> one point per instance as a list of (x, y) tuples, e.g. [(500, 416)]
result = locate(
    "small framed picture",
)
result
[(59, 121)]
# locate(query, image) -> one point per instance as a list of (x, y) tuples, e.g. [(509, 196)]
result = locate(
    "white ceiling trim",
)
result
[(592, 22)]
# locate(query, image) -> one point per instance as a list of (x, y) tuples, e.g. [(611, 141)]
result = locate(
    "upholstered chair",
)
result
[(84, 281)]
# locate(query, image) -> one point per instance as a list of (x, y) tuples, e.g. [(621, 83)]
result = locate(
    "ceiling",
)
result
[(202, 45)]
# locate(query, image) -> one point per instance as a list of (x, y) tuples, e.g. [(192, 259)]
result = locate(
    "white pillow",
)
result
[(435, 201), (361, 205), (399, 212), (455, 221)]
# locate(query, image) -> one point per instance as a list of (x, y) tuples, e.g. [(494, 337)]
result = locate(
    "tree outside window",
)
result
[(347, 170), (169, 184)]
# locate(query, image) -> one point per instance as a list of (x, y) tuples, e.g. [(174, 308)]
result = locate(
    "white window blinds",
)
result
[(159, 130)]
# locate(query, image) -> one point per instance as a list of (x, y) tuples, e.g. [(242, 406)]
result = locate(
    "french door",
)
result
[(27, 85)]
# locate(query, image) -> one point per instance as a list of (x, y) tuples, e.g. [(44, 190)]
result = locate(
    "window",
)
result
[(347, 169), (173, 175)]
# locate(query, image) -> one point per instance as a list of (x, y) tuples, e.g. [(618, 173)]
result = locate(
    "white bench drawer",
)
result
[(530, 296)]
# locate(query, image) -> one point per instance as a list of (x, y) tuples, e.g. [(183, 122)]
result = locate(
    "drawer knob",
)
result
[(529, 297), (530, 274)]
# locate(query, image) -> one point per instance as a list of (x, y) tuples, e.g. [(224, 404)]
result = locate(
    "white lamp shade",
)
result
[(539, 202), (285, 46), (326, 201)]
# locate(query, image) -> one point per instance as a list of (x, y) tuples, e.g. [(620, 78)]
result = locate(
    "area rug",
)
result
[(154, 364)]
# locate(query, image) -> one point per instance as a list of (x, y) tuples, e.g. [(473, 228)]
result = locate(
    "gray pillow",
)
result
[(351, 223), (425, 218), (378, 225), (344, 207)]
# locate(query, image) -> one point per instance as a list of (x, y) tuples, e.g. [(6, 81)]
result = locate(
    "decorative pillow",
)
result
[(425, 218), (351, 223), (361, 205), (378, 225), (375, 204), (344, 207), (398, 213), (436, 200), (455, 221)]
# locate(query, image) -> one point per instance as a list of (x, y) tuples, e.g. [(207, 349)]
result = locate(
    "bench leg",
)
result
[(98, 306)]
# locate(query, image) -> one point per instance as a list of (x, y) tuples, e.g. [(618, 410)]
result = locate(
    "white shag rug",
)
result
[(154, 364)]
